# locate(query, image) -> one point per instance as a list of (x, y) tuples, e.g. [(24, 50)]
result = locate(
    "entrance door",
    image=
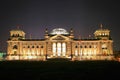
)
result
[(59, 49)]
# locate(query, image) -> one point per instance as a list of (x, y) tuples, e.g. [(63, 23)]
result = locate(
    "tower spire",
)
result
[(71, 33), (30, 36), (18, 27), (46, 33), (101, 26)]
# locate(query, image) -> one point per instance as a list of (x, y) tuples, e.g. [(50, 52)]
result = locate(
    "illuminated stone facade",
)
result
[(60, 44)]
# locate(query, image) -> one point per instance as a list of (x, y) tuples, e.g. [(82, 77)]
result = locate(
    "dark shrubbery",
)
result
[(59, 70)]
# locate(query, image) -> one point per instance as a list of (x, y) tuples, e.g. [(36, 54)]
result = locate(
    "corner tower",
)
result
[(17, 34), (105, 43), (14, 44), (102, 33)]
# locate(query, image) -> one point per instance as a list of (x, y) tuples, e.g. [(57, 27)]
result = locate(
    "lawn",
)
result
[(59, 70)]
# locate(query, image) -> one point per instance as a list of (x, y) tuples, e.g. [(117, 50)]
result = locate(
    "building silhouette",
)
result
[(59, 43)]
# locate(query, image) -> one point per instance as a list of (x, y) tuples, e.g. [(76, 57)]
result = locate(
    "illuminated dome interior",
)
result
[(59, 31)]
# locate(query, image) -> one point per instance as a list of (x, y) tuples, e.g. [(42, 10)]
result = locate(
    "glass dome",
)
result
[(59, 31)]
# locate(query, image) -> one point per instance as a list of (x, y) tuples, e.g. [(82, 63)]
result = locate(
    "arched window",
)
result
[(13, 35), (76, 46), (90, 46), (28, 46), (37, 46), (32, 46), (41, 46), (15, 47), (80, 46), (85, 46)]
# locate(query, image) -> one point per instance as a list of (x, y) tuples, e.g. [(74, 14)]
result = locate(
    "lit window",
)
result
[(104, 46), (76, 53), (59, 48), (54, 47), (63, 47)]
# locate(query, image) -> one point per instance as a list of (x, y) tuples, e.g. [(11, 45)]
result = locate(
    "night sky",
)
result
[(34, 16)]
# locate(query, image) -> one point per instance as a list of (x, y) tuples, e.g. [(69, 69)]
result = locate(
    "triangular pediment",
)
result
[(59, 37)]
